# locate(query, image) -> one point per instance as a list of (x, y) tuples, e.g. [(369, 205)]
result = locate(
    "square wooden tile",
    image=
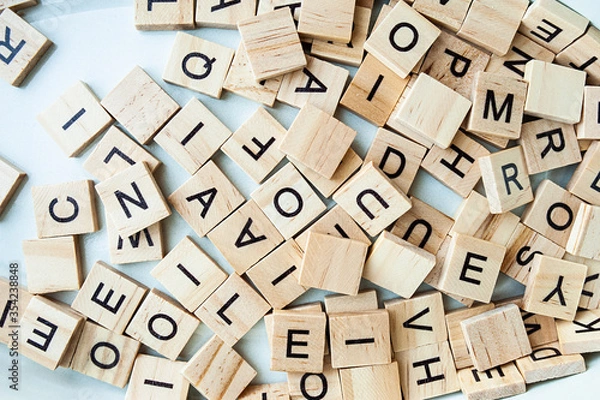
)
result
[(376, 381), (154, 377), (145, 245), (275, 391), (7, 304), (456, 338), (326, 384), (341, 303), (522, 50), (499, 382), (164, 15), (223, 13), (547, 362), (581, 55), (580, 335), (590, 296), (585, 182), (450, 16), (10, 180), (328, 21)]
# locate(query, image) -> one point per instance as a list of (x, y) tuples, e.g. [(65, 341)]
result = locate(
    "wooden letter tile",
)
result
[(554, 287), (109, 297), (462, 358), (140, 105), (360, 339), (145, 245), (339, 303), (328, 21), (233, 309), (255, 145), (372, 200), (193, 136), (133, 200), (583, 55), (17, 4), (64, 209), (496, 337), (417, 322), (47, 330), (397, 265), (317, 140), (522, 50), (506, 180), (198, 64), (189, 274), (496, 383), (380, 382), (547, 362), (116, 152), (555, 92), (75, 119), (53, 265), (583, 240), (223, 13), (10, 179), (332, 263), (157, 15), (12, 298), (590, 296), (493, 27), (276, 275), (401, 40), (272, 44), (218, 372), (585, 182), (432, 110), (450, 15), (157, 378), (273, 391), (206, 199), (427, 371), (589, 127), (23, 47), (105, 355), (582, 335), (245, 237), (324, 385)]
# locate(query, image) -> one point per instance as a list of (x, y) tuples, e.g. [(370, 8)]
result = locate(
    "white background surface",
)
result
[(96, 42)]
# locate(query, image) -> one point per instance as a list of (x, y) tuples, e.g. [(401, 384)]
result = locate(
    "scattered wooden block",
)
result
[(456, 338), (189, 274), (432, 110), (554, 287), (272, 44), (553, 24), (402, 40), (47, 330), (145, 245), (133, 200), (116, 152), (374, 91), (456, 166), (10, 179), (222, 13), (240, 80), (363, 301), (360, 339), (309, 308), (552, 213), (582, 55), (161, 324), (75, 119), (496, 383), (12, 298), (53, 265), (522, 50), (348, 166), (547, 362), (374, 381), (524, 245), (232, 309), (156, 378), (273, 391), (327, 259), (449, 15), (64, 209), (218, 372), (583, 239), (193, 136), (317, 140), (372, 200), (585, 180), (140, 105), (324, 385), (320, 83), (453, 61), (256, 238), (16, 5), (472, 267), (589, 126), (298, 341), (198, 64), (427, 371), (555, 92), (288, 201), (105, 355), (164, 15), (328, 21), (417, 322), (276, 275), (580, 335), (493, 27), (109, 297), (397, 265), (335, 222), (496, 337), (423, 226), (206, 199), (255, 145), (590, 296), (506, 180), (24, 46)]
